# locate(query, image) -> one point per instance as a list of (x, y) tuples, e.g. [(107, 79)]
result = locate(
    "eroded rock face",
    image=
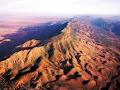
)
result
[(71, 60), (29, 44)]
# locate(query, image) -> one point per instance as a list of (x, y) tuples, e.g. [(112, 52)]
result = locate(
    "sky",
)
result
[(59, 7)]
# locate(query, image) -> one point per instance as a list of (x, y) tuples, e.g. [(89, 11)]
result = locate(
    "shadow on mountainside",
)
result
[(40, 32)]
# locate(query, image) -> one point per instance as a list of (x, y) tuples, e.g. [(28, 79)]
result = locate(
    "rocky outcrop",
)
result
[(29, 44)]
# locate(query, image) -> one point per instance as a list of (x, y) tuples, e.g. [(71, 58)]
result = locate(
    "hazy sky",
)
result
[(60, 7)]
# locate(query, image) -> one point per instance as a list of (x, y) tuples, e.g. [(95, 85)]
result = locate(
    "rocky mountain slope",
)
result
[(75, 59)]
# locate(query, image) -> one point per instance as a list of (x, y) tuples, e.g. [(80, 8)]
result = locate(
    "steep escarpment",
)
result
[(70, 60), (22, 66), (31, 33)]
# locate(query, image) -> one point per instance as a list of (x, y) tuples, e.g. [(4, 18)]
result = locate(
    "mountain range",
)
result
[(79, 53)]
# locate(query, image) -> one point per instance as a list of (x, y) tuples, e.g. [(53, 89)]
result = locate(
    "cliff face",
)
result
[(71, 60)]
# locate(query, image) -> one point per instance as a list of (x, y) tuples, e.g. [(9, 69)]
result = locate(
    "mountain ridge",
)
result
[(70, 57)]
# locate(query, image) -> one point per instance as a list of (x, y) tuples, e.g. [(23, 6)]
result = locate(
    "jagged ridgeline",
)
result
[(62, 58)]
